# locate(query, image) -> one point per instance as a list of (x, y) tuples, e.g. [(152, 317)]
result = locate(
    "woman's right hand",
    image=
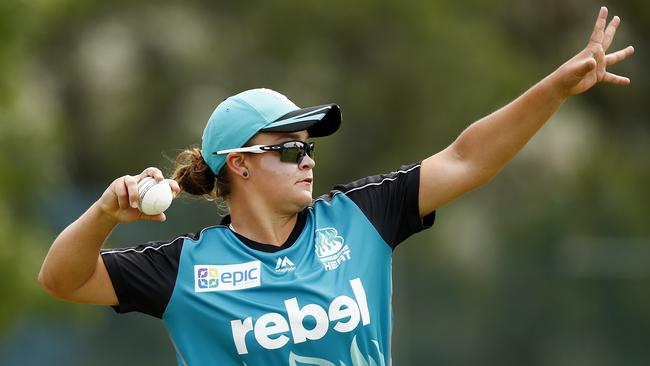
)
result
[(120, 199)]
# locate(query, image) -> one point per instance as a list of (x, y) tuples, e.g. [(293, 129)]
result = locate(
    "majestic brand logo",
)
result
[(270, 330), (227, 277), (330, 248), (284, 265)]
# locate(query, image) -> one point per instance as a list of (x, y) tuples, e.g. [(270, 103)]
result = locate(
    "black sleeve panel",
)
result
[(144, 276), (390, 202)]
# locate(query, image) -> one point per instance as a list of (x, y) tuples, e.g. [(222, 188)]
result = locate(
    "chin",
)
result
[(294, 200), (304, 200)]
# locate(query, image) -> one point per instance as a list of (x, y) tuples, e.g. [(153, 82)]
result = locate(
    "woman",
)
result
[(285, 279)]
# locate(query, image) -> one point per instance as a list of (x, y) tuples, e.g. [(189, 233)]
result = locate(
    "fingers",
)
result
[(618, 56), (603, 37), (122, 193), (160, 217), (158, 176), (131, 184), (599, 29), (125, 191), (174, 185), (615, 79), (585, 67), (151, 172), (127, 187), (610, 32)]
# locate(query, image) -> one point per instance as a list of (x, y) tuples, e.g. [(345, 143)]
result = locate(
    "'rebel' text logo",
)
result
[(275, 330), (227, 277), (330, 248)]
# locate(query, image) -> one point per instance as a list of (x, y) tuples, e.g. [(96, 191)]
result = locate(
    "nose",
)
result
[(307, 162)]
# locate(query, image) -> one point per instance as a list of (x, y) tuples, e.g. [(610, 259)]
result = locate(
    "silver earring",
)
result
[(245, 173)]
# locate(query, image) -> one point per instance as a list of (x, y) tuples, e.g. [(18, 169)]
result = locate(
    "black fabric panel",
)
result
[(390, 202), (144, 276)]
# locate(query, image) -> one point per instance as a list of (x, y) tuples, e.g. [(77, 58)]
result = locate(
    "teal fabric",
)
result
[(325, 300)]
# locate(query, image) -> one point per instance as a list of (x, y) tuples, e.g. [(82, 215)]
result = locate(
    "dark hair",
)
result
[(195, 177)]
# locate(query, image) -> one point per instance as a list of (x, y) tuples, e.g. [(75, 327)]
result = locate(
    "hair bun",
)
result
[(193, 175)]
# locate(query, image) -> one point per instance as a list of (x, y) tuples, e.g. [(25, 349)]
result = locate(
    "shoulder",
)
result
[(166, 246), (389, 201), (359, 187)]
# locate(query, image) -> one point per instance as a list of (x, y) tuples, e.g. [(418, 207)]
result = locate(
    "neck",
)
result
[(260, 224)]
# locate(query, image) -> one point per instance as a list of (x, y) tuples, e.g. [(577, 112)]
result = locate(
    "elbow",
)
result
[(48, 284)]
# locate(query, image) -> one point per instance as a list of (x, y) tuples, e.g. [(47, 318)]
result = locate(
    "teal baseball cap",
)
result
[(238, 118)]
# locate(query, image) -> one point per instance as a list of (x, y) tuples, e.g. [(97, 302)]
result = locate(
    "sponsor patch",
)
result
[(227, 277)]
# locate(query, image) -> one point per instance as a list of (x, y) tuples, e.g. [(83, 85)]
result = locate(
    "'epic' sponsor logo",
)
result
[(227, 277), (344, 312)]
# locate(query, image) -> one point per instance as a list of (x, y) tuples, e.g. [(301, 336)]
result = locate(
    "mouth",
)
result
[(306, 180)]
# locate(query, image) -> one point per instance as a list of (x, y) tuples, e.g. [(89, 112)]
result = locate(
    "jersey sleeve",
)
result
[(144, 276), (390, 202)]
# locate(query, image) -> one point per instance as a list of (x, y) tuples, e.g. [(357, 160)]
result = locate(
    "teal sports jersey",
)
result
[(322, 298)]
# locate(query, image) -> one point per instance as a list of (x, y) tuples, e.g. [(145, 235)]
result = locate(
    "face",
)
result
[(287, 186)]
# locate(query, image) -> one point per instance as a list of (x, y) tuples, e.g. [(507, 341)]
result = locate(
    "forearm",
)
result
[(491, 142), (72, 258)]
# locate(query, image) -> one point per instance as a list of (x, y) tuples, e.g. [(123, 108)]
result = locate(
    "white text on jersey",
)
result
[(273, 324)]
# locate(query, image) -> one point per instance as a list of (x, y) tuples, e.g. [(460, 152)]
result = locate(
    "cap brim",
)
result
[(319, 121)]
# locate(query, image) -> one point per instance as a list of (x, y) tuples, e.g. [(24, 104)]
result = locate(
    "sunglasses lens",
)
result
[(310, 150), (290, 155), (293, 152)]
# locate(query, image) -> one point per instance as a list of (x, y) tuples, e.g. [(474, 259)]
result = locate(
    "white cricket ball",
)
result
[(155, 197)]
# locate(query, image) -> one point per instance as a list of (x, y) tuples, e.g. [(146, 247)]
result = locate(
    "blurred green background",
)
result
[(548, 264)]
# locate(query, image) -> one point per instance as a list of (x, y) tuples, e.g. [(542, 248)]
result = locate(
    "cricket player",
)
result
[(286, 279)]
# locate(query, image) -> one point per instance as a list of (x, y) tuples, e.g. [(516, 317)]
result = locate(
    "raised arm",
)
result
[(73, 269), (488, 144)]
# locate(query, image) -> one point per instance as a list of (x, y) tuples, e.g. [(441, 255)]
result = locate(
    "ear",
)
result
[(237, 163)]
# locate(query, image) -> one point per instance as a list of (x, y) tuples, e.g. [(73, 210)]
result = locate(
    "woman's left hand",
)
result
[(590, 65)]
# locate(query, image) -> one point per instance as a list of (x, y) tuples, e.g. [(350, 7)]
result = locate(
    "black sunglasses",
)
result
[(290, 151)]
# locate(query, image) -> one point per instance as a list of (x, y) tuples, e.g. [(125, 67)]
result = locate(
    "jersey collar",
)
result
[(268, 248)]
